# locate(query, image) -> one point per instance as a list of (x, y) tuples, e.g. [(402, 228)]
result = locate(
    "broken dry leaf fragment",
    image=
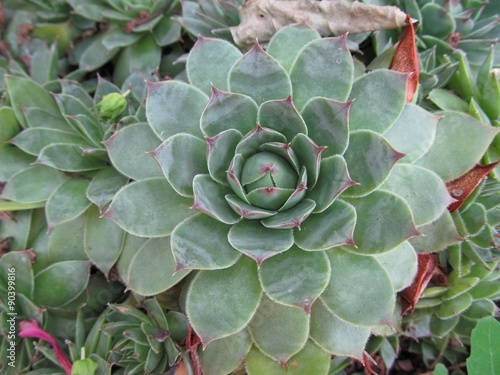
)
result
[(462, 187), (406, 59), (261, 19)]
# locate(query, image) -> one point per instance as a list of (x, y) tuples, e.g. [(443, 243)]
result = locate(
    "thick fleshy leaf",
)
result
[(269, 198), (69, 158), (148, 208), (37, 117), (485, 347), (209, 197), (360, 291), (330, 228), (13, 160), (10, 125), (454, 306), (413, 132), (311, 360), (259, 242), (103, 241), (332, 181), (387, 89), (285, 151), (259, 76), (462, 187), (200, 242), (282, 116), (328, 124), (436, 235), (128, 150), (220, 151), (210, 294), (406, 59), (33, 140), (400, 264), (155, 260), (323, 68), (457, 132), (336, 335), (21, 263), (33, 184), (287, 42), (209, 63), (66, 242), (377, 212), (265, 170), (226, 110), (279, 331), (166, 108), (295, 277), (104, 186), (246, 210), (423, 190), (291, 218), (222, 356), (252, 141), (181, 157), (309, 155), (25, 93), (369, 159), (234, 176), (131, 247), (60, 283), (96, 54), (67, 202)]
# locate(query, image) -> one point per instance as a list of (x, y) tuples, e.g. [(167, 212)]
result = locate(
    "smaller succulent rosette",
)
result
[(293, 183)]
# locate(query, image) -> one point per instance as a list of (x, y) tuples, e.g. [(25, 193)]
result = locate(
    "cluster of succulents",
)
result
[(266, 212)]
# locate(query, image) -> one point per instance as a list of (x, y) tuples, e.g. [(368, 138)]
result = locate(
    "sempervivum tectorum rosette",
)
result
[(306, 184)]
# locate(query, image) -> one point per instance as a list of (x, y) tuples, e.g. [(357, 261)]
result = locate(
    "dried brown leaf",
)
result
[(261, 19)]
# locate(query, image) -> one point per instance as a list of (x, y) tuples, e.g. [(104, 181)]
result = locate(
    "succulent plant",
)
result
[(285, 190), (134, 31)]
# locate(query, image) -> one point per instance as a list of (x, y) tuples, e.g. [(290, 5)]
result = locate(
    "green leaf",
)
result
[(38, 117), (66, 241), (330, 228), (209, 63), (332, 181), (400, 264), (209, 198), (282, 116), (324, 68), (308, 154), (148, 208), (155, 260), (21, 279), (328, 124), (166, 108), (181, 157), (103, 241), (33, 184), (377, 212), (292, 217), (200, 242), (279, 331), (295, 277), (131, 246), (413, 132), (360, 291), (104, 186), (288, 41), (423, 190), (224, 355), (68, 158), (440, 369), (13, 160), (258, 242), (167, 32), (457, 132), (67, 202), (247, 211), (96, 54), (33, 140), (379, 98), (442, 327), (10, 126), (226, 111), (61, 283), (446, 100), (335, 335), (438, 22), (210, 294), (220, 151), (454, 306), (259, 76), (311, 360), (25, 93), (370, 159), (128, 150)]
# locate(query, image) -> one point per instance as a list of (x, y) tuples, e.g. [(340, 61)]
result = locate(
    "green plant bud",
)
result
[(84, 367), (112, 105)]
